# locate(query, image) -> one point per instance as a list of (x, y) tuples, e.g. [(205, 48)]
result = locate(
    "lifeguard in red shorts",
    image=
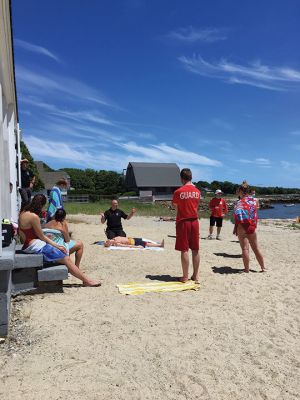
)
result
[(186, 199)]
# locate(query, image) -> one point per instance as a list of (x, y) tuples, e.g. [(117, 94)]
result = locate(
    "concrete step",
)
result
[(56, 273), (8, 256), (23, 260)]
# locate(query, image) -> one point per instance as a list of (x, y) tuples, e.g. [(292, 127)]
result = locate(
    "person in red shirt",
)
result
[(218, 209), (186, 199)]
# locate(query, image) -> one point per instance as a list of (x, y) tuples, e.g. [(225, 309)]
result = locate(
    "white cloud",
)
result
[(295, 133), (192, 35), (117, 157), (92, 116), (74, 154), (30, 81), (255, 74), (57, 150), (291, 166), (35, 49), (260, 162), (165, 153)]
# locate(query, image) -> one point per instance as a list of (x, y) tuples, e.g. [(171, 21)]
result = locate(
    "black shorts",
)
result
[(216, 220), (115, 232), (139, 242)]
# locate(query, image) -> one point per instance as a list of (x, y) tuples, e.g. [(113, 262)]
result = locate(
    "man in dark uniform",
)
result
[(113, 217), (27, 182)]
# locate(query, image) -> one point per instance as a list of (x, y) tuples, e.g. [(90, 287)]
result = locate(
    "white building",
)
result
[(9, 126)]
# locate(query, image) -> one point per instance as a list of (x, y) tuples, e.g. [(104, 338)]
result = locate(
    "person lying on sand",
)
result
[(121, 241), (167, 219)]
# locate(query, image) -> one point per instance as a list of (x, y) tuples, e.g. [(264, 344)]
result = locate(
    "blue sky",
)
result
[(213, 85)]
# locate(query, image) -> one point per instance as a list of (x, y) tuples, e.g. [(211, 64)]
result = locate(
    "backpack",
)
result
[(7, 233)]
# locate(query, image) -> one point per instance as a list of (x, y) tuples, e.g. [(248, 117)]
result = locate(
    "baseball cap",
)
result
[(218, 191)]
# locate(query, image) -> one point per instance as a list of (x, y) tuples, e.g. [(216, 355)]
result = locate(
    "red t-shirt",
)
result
[(218, 207), (187, 199)]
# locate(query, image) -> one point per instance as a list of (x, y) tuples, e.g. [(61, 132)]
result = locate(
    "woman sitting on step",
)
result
[(35, 242), (58, 231)]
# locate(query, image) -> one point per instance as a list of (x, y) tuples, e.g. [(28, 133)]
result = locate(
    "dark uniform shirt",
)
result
[(26, 178), (113, 218)]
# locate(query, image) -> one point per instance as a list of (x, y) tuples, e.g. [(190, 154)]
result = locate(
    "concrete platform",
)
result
[(7, 258), (23, 260), (56, 273), (6, 266)]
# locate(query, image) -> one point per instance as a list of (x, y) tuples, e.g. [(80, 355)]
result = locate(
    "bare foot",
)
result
[(91, 283), (246, 270), (182, 279), (162, 244), (264, 270), (195, 279)]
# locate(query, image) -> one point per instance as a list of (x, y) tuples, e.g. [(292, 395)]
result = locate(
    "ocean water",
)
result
[(280, 211)]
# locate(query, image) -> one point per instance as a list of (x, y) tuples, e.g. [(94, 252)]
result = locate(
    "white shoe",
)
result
[(210, 237), (218, 238)]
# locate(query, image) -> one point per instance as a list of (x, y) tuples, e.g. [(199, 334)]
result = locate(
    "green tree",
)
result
[(228, 187), (202, 185), (39, 184), (109, 182), (215, 185), (96, 182), (80, 180)]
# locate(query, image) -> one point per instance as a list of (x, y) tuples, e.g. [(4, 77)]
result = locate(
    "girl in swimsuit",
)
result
[(37, 243), (57, 230), (245, 214)]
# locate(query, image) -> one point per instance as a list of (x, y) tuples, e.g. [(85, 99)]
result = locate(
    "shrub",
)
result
[(129, 194)]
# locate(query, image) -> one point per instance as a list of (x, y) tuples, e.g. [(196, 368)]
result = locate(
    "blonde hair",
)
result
[(244, 187)]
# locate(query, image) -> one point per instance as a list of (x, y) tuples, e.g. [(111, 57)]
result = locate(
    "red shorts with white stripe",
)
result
[(187, 235)]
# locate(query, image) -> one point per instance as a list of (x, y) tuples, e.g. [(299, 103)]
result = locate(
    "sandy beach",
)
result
[(235, 338)]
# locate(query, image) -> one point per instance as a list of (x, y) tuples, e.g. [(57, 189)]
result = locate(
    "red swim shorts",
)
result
[(187, 235)]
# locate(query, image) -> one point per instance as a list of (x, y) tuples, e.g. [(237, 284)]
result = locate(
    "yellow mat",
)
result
[(135, 288)]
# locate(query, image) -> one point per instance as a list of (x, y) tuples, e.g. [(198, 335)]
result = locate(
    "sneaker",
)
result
[(218, 238), (209, 237)]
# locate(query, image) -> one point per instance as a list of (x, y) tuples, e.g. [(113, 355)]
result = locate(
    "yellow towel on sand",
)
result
[(141, 288)]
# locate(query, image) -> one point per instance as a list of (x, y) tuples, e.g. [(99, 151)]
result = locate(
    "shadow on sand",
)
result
[(73, 285), (228, 255), (163, 278), (229, 270)]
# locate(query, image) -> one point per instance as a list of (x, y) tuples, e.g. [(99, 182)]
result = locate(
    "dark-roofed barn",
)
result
[(50, 178), (157, 178)]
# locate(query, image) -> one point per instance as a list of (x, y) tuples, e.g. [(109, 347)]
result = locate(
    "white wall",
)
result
[(9, 128)]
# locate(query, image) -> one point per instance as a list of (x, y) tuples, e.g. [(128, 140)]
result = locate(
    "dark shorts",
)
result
[(139, 242), (216, 220), (112, 233), (187, 235)]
